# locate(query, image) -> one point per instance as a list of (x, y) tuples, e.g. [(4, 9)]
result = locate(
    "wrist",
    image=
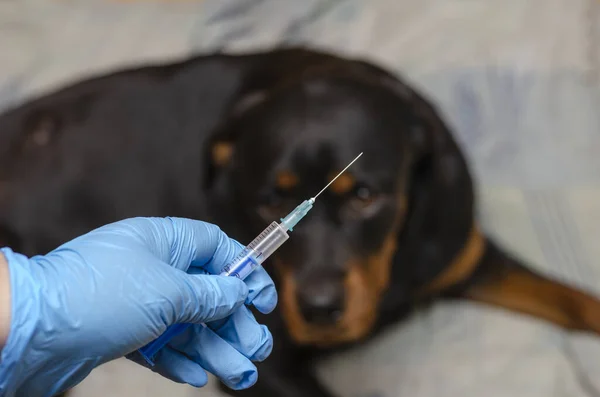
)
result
[(18, 359), (5, 301)]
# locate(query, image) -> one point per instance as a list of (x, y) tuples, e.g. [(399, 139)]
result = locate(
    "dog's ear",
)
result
[(219, 153), (222, 144), (219, 165), (439, 219)]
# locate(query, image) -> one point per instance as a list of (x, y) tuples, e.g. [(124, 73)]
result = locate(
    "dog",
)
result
[(240, 140)]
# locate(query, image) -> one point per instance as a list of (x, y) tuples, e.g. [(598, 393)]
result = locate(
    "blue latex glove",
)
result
[(109, 292)]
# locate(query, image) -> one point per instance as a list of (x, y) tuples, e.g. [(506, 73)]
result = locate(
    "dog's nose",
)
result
[(322, 303)]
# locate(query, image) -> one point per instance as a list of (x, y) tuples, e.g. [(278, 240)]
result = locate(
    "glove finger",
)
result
[(245, 334), (179, 242), (199, 244), (175, 366), (261, 291), (206, 298), (212, 353)]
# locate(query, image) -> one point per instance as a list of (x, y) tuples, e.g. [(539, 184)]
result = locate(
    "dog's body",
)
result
[(241, 140)]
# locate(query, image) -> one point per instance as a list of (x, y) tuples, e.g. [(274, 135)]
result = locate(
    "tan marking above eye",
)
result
[(286, 180), (343, 185), (221, 153)]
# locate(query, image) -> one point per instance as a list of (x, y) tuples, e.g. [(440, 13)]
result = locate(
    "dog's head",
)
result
[(281, 147)]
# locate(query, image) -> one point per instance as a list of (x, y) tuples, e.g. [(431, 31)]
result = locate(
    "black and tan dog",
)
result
[(241, 140)]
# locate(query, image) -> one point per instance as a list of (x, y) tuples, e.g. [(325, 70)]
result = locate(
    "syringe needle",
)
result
[(336, 177), (292, 219)]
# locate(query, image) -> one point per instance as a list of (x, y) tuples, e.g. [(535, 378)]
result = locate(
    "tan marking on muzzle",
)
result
[(365, 283), (356, 321)]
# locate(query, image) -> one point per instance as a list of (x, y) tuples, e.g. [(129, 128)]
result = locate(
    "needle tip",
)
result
[(336, 177)]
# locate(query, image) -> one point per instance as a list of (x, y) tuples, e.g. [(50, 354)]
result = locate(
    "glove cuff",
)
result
[(24, 314)]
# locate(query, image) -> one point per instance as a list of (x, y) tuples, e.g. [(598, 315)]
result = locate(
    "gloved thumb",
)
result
[(210, 297)]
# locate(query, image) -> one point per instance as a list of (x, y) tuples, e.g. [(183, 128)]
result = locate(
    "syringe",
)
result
[(251, 257)]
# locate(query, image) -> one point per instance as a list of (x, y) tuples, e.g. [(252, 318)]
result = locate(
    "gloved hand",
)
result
[(107, 293)]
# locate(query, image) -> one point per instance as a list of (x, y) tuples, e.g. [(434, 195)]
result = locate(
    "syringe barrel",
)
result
[(256, 252)]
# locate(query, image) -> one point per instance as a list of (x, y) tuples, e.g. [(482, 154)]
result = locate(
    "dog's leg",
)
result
[(503, 281)]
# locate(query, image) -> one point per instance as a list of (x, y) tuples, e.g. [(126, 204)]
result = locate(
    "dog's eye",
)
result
[(363, 197), (364, 193)]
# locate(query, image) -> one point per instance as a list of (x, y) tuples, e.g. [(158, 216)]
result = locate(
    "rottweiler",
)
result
[(241, 139)]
